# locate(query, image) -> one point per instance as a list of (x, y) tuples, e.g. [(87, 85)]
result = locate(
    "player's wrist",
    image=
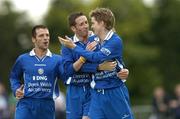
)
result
[(82, 59), (99, 68)]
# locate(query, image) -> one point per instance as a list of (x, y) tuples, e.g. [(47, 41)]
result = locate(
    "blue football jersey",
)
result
[(83, 76), (109, 50), (39, 76)]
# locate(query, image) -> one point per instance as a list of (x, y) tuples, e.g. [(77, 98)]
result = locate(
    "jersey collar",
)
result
[(108, 36), (75, 38), (32, 53)]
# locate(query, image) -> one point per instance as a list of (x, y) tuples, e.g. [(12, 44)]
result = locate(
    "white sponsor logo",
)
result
[(39, 64), (40, 87), (105, 51), (44, 78)]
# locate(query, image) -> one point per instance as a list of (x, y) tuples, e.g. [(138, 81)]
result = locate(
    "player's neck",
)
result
[(40, 52), (83, 39), (102, 35)]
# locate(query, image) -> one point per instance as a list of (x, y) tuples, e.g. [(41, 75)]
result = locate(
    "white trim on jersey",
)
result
[(32, 53)]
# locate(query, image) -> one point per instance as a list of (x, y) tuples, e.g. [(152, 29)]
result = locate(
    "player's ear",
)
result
[(33, 39), (73, 28), (102, 23)]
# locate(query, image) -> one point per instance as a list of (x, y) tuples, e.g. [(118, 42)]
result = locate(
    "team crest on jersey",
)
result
[(40, 71)]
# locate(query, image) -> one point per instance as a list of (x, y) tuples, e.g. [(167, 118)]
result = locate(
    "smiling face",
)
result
[(96, 26), (41, 39), (81, 27), (102, 17)]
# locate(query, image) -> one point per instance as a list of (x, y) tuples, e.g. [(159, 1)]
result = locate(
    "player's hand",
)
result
[(91, 46), (20, 92), (107, 65), (67, 42), (123, 74), (85, 117)]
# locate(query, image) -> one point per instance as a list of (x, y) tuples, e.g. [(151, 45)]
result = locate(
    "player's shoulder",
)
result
[(24, 55), (116, 38), (56, 57), (92, 38)]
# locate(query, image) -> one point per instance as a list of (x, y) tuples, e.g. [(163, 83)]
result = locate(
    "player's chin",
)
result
[(45, 47), (85, 34)]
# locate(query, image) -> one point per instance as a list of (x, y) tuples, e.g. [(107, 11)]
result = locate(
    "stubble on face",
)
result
[(42, 39), (82, 27)]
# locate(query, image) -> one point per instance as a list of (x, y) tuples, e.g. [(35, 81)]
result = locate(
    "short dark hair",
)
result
[(37, 27), (73, 16), (105, 15)]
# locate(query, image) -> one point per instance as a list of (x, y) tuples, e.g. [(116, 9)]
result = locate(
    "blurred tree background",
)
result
[(150, 36), (15, 37)]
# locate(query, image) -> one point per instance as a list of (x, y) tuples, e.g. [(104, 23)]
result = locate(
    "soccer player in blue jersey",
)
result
[(78, 84), (110, 98), (34, 78)]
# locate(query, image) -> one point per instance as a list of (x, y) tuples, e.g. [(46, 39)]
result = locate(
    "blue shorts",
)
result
[(77, 101), (110, 104), (28, 108)]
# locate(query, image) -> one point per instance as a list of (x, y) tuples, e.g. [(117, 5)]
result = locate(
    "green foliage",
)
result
[(166, 31), (150, 36), (134, 23), (56, 18), (14, 30)]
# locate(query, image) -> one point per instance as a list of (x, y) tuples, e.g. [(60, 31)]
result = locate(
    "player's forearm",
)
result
[(14, 85), (89, 67), (78, 64)]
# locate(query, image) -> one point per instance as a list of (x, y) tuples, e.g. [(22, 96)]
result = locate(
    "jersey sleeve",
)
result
[(67, 58), (108, 51), (61, 73), (15, 75), (89, 67)]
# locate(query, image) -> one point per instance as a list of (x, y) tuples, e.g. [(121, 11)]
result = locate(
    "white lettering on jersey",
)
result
[(105, 51), (44, 78)]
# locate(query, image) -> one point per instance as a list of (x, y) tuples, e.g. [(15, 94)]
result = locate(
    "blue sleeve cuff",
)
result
[(70, 70)]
